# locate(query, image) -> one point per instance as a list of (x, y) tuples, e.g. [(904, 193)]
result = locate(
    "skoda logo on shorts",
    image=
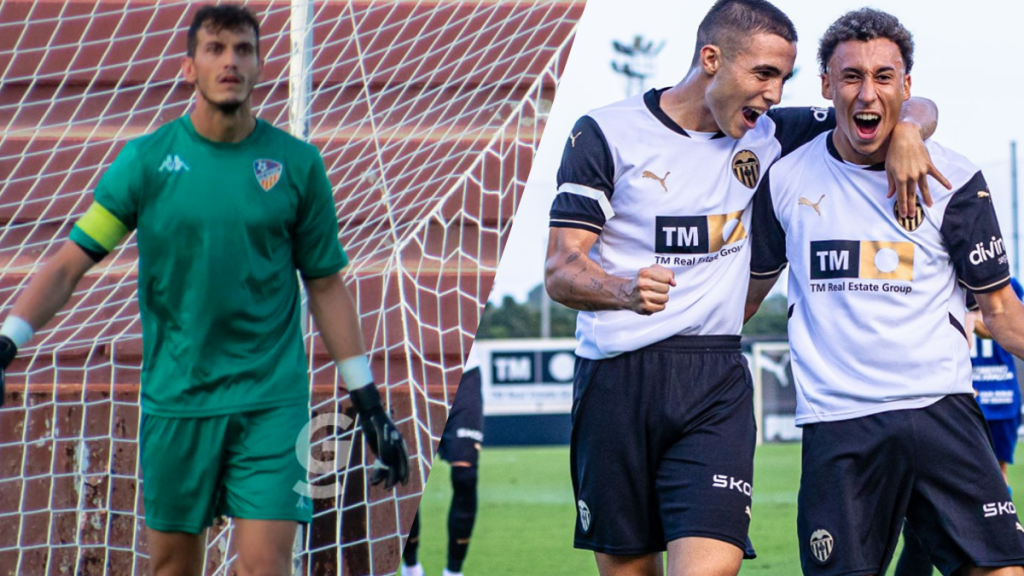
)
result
[(584, 516), (821, 546)]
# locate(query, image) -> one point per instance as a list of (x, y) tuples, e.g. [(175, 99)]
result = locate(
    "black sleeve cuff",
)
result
[(96, 256)]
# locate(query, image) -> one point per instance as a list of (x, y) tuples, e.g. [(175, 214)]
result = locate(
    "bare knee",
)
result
[(264, 547), (175, 553), (703, 557), (275, 566), (252, 562), (643, 565)]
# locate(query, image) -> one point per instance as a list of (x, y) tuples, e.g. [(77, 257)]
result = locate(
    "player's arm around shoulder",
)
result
[(573, 279), (768, 248), (1003, 315), (908, 164)]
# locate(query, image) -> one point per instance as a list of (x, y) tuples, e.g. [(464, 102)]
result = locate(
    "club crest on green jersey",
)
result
[(268, 172)]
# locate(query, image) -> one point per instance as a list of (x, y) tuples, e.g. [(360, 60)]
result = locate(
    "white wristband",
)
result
[(355, 371), (19, 331)]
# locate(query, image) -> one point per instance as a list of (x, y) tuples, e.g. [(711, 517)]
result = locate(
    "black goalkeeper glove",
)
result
[(7, 352), (382, 435)]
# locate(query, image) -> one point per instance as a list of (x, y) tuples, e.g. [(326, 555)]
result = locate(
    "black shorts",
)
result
[(663, 446), (464, 431), (933, 465)]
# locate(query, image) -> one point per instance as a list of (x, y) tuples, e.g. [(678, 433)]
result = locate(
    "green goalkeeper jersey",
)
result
[(221, 230)]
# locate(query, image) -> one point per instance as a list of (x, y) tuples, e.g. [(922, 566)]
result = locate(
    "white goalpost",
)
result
[(427, 115)]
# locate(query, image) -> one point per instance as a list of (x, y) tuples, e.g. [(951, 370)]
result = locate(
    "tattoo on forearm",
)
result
[(573, 257), (623, 293)]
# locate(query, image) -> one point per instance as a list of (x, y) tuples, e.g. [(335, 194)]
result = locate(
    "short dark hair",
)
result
[(864, 25), (730, 22), (221, 17)]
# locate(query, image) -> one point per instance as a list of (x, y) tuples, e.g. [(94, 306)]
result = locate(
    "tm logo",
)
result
[(868, 260)]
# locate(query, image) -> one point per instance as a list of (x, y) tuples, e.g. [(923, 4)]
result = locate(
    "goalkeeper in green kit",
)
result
[(226, 209)]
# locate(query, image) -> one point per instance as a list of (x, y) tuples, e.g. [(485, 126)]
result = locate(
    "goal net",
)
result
[(427, 115)]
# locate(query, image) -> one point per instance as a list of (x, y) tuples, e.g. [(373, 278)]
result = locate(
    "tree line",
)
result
[(512, 319)]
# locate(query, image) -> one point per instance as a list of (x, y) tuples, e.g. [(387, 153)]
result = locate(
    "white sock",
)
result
[(447, 573), (416, 570)]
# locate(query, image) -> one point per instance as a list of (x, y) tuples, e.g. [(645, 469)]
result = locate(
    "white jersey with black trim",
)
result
[(655, 195), (877, 301)]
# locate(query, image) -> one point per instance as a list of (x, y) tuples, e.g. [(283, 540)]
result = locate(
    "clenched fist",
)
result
[(648, 292)]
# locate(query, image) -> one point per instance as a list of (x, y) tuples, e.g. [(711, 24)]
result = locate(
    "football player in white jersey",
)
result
[(880, 354), (649, 239)]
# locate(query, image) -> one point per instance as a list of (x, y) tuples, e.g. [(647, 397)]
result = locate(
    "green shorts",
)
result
[(240, 465)]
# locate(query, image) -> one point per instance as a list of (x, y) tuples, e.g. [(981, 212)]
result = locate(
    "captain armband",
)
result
[(98, 231)]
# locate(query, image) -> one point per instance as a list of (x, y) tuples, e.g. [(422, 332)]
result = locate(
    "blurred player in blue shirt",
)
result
[(995, 382), (998, 394)]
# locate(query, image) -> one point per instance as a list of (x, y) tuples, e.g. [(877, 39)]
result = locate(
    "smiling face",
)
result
[(225, 68), (867, 84), (748, 81)]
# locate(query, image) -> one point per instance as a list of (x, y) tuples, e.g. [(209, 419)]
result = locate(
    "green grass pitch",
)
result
[(524, 526)]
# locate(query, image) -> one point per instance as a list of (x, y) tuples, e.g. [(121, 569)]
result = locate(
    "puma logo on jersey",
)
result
[(573, 138), (173, 163), (806, 202), (653, 176), (983, 194)]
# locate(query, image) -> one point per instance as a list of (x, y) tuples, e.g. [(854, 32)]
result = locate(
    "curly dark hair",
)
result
[(221, 17), (731, 22), (863, 25)]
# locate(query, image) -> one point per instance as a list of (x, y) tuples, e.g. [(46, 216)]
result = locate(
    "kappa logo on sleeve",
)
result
[(268, 172)]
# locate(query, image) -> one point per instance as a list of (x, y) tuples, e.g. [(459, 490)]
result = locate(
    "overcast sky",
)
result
[(966, 60)]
